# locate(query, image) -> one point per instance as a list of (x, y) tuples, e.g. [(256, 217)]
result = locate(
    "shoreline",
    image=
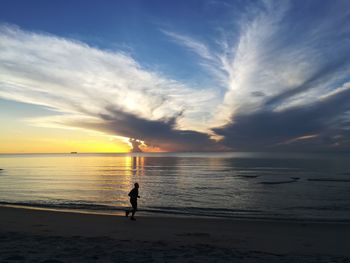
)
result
[(145, 213), (40, 235)]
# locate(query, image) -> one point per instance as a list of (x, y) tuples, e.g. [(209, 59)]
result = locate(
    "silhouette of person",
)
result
[(134, 194)]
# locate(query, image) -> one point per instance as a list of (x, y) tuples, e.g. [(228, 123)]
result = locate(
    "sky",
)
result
[(187, 75)]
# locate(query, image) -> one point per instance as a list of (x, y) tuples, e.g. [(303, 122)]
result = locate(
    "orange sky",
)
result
[(26, 139)]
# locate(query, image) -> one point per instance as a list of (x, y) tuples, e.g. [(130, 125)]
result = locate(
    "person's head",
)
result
[(136, 185)]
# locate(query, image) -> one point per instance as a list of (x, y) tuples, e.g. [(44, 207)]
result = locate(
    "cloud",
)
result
[(318, 126), (282, 83), (72, 77), (208, 59), (156, 133), (197, 47), (92, 86), (286, 71)]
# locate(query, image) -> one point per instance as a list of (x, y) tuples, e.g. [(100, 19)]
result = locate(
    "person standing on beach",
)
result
[(134, 194)]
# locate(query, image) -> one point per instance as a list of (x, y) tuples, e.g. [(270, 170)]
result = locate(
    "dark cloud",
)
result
[(135, 145), (269, 130), (326, 121), (258, 93), (321, 75), (320, 41), (160, 133)]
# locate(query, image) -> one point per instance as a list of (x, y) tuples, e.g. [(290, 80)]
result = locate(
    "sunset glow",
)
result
[(231, 76)]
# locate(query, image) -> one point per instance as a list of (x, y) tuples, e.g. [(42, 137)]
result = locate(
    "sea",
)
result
[(277, 186)]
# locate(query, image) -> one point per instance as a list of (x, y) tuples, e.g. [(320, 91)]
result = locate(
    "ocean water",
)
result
[(232, 185)]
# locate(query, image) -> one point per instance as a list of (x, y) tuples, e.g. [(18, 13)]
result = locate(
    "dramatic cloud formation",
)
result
[(101, 90), (319, 126), (299, 68), (283, 75), (282, 83)]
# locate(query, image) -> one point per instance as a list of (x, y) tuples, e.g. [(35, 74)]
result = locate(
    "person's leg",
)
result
[(134, 208), (128, 210)]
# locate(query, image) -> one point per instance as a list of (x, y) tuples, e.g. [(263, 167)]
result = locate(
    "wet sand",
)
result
[(50, 236)]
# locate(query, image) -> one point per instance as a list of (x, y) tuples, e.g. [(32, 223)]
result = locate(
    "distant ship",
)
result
[(73, 152)]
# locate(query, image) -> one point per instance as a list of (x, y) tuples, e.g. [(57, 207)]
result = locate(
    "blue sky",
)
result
[(182, 75), (131, 26)]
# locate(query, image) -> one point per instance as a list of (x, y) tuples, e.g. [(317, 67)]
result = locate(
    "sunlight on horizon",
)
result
[(81, 144)]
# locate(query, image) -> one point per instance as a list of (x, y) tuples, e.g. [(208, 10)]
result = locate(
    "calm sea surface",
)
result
[(254, 185)]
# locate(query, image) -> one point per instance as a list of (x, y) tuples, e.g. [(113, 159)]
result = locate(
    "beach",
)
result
[(29, 235)]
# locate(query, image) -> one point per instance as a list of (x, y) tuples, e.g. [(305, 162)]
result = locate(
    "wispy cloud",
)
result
[(282, 62), (270, 130), (197, 47), (207, 58), (92, 86), (283, 77)]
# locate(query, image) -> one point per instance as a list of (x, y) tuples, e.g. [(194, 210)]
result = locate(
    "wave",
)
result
[(248, 176), (333, 207), (103, 207), (65, 205), (291, 180), (247, 214), (152, 210), (329, 180)]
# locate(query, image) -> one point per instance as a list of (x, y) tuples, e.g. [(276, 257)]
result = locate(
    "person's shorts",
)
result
[(133, 204)]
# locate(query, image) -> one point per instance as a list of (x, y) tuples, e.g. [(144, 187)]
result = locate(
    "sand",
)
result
[(52, 236)]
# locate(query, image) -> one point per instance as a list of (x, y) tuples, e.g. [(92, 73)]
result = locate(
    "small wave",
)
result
[(203, 212), (187, 208), (292, 180), (249, 214), (185, 211), (66, 205), (208, 188), (334, 208), (268, 169), (340, 180), (248, 176)]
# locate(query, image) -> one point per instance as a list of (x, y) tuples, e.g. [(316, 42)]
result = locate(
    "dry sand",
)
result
[(48, 236)]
